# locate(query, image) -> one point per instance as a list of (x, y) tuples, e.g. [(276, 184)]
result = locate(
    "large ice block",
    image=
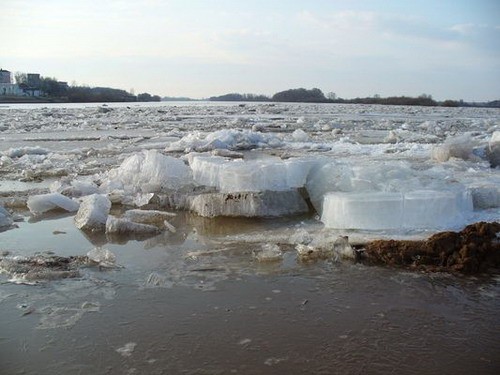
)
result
[(250, 175), (327, 177), (370, 211), (260, 204), (206, 169), (149, 172), (485, 196), (421, 209), (430, 209), (255, 175)]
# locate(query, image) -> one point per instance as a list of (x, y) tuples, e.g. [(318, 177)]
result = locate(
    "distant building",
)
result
[(6, 85), (29, 91), (5, 76), (7, 88), (33, 80), (10, 89)]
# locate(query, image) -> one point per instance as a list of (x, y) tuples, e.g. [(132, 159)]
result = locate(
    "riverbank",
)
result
[(475, 249)]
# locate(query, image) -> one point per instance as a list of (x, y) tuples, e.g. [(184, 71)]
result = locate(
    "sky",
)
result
[(449, 49)]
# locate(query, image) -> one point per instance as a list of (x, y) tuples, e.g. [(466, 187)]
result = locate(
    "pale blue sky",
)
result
[(199, 48)]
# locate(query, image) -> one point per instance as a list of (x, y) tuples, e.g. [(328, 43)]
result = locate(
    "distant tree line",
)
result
[(234, 97), (54, 90), (315, 95)]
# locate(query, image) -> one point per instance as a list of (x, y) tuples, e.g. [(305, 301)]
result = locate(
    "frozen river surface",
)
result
[(221, 282)]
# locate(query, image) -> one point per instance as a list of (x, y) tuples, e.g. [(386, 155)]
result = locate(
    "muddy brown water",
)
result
[(192, 303)]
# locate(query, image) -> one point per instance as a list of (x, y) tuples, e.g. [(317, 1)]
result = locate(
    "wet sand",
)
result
[(166, 311)]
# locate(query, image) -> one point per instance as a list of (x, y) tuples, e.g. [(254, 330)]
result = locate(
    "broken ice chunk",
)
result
[(231, 139), (309, 252), (103, 257), (460, 147), (93, 212), (343, 249), (485, 196), (39, 204), (127, 349), (74, 188), (153, 217), (300, 136), (493, 150), (126, 226), (27, 150), (269, 253), (5, 218)]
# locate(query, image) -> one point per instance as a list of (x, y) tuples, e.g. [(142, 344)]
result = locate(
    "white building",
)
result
[(7, 88), (5, 76), (10, 89)]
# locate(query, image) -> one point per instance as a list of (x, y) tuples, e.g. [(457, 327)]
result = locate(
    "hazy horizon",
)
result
[(448, 49)]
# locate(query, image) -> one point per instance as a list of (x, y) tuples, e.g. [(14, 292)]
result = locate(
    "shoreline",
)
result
[(473, 250)]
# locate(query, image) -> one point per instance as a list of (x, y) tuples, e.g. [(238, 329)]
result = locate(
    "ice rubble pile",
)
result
[(368, 195), (230, 139)]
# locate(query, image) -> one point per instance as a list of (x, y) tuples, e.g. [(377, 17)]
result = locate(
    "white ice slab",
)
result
[(125, 226), (435, 209), (39, 204), (424, 209), (370, 211), (148, 172), (250, 175), (153, 217)]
